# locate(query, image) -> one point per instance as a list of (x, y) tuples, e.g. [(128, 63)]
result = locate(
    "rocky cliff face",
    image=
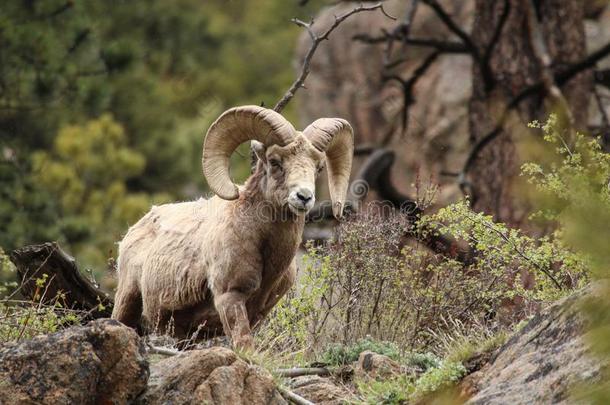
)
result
[(541, 363)]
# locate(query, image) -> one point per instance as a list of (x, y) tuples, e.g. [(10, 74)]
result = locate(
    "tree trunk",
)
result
[(63, 279), (514, 65)]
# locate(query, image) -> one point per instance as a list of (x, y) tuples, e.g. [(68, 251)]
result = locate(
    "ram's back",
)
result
[(165, 247)]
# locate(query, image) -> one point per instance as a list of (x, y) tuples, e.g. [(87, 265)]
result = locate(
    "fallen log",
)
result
[(64, 282)]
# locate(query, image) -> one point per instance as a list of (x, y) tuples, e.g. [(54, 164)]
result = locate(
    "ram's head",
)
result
[(290, 159)]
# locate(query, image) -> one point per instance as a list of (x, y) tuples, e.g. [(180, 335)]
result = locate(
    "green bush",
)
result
[(366, 285), (436, 379), (573, 187), (338, 354), (391, 391)]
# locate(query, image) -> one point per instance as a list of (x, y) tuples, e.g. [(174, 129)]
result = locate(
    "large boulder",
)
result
[(374, 365), (542, 362), (100, 363), (211, 376)]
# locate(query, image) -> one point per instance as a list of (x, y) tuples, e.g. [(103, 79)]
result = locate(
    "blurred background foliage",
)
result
[(104, 104)]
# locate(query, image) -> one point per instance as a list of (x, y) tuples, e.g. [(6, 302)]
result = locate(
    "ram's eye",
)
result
[(276, 164), (320, 168)]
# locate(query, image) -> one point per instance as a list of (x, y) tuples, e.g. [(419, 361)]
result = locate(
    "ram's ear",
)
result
[(259, 150)]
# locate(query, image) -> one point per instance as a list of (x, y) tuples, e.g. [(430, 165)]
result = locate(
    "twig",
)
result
[(163, 351), (294, 398), (299, 371), (316, 40)]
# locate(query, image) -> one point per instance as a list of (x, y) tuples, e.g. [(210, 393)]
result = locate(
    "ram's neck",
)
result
[(280, 227)]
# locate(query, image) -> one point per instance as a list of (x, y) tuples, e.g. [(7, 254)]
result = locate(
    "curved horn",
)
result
[(334, 136), (232, 128)]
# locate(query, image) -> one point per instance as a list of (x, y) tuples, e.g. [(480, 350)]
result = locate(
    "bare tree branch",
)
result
[(408, 84), (451, 25), (404, 29), (498, 31), (294, 398), (316, 40), (376, 173), (586, 63), (300, 371)]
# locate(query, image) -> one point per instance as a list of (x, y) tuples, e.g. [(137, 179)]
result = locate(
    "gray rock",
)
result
[(210, 376), (321, 390), (542, 362), (100, 363)]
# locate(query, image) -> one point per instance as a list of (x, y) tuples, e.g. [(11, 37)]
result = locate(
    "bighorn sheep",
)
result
[(222, 264)]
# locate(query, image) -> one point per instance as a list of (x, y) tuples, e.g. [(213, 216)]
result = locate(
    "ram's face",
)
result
[(291, 172)]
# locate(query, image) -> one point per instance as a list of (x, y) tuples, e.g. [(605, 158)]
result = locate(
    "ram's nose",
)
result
[(304, 195), (302, 199)]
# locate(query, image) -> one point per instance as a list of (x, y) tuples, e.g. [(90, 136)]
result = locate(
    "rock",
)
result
[(100, 363), (541, 362), (374, 365), (320, 390), (211, 376)]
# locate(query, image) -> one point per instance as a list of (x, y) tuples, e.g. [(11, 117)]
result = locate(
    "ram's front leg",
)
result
[(230, 302), (231, 307)]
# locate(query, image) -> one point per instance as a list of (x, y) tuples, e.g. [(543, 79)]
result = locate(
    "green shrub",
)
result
[(423, 361), (435, 379), (338, 354), (391, 391), (401, 389), (366, 285), (573, 186)]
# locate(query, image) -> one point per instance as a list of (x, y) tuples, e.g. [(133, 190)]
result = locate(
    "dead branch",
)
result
[(404, 29), (451, 25), (64, 280), (316, 40), (294, 398), (407, 86), (497, 32), (163, 351), (300, 371)]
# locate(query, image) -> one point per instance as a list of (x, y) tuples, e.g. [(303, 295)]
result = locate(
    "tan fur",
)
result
[(216, 264)]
